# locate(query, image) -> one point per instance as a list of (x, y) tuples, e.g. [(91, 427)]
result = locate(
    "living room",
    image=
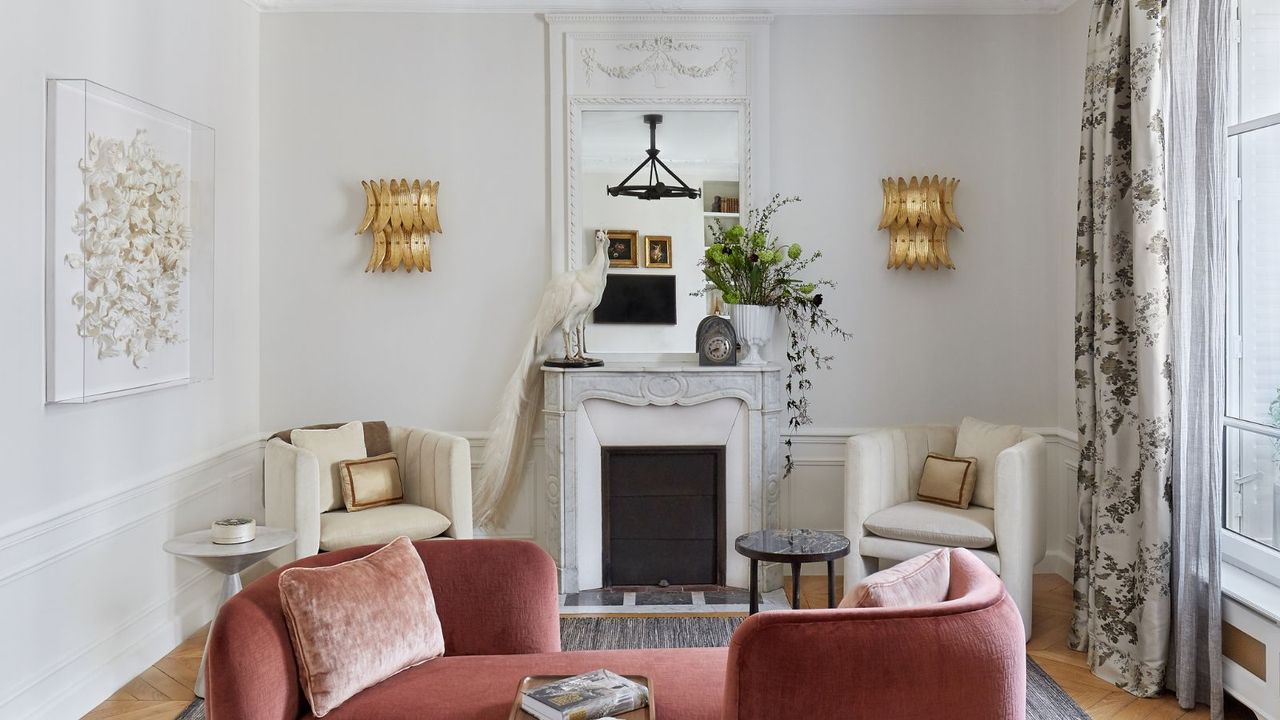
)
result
[(596, 292)]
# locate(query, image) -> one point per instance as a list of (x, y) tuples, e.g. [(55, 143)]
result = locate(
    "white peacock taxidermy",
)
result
[(566, 304)]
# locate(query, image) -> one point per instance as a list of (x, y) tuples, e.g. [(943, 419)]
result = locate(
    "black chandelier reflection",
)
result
[(656, 189)]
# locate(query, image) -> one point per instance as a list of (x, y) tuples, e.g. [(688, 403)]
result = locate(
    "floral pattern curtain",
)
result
[(1123, 369)]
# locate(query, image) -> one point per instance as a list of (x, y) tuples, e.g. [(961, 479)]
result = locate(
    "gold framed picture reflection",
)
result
[(622, 248), (657, 251)]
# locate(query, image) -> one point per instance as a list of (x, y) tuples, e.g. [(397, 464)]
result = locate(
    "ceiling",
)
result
[(777, 7)]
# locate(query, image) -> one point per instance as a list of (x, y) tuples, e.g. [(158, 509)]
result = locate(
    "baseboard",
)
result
[(109, 599), (112, 662), (1057, 562)]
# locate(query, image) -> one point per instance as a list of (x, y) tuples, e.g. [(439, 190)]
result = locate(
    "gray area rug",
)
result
[(1045, 699)]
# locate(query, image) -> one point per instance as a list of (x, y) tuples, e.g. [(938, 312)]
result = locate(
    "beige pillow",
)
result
[(332, 447), (921, 580), (357, 623), (370, 482), (948, 480), (984, 442)]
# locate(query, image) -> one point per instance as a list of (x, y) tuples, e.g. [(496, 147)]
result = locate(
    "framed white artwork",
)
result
[(129, 233)]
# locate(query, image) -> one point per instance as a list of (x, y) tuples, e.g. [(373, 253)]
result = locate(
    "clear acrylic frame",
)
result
[(129, 232)]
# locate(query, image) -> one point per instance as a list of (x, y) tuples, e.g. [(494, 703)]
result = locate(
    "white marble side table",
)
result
[(229, 560)]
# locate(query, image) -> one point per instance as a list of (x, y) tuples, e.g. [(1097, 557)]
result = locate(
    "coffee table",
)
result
[(796, 547), (228, 560)]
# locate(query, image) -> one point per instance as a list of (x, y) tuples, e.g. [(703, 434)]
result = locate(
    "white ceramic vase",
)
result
[(754, 326)]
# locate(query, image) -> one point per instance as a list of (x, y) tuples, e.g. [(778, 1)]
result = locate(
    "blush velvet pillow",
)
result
[(357, 623), (922, 580)]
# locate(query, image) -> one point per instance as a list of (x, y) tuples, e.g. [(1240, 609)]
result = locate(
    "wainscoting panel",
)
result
[(523, 519), (813, 496), (88, 599)]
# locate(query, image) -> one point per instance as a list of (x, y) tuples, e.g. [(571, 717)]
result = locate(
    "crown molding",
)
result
[(625, 10)]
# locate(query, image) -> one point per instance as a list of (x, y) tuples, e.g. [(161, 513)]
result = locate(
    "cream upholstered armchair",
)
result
[(435, 471), (882, 474)]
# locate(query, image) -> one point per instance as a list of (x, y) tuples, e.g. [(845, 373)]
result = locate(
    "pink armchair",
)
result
[(962, 659)]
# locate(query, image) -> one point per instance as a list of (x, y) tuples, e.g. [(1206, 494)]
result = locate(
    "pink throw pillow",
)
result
[(922, 580), (357, 623)]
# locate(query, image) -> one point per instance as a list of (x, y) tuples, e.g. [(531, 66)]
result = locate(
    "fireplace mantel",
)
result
[(740, 405)]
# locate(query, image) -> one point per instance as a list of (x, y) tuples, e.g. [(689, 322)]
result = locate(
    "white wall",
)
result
[(87, 597), (461, 98), (977, 98), (1071, 39), (456, 98), (92, 491)]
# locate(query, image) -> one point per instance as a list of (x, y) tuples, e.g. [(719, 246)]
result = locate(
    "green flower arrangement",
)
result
[(751, 266)]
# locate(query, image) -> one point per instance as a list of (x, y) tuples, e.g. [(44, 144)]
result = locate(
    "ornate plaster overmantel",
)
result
[(658, 404)]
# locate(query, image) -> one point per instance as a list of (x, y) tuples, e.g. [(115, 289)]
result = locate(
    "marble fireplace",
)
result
[(675, 405)]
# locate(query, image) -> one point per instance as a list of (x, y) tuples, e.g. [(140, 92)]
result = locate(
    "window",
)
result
[(1252, 423)]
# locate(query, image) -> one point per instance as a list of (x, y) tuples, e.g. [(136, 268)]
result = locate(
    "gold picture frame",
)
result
[(622, 248), (657, 251)]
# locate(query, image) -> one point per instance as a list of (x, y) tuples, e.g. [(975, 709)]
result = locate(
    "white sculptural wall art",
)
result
[(129, 233)]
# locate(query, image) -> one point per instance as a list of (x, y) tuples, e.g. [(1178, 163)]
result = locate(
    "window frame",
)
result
[(1238, 549)]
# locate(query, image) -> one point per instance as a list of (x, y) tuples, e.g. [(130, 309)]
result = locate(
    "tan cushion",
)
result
[(377, 436), (342, 529), (370, 482), (357, 623), (947, 480), (985, 441), (973, 527), (330, 448), (922, 580)]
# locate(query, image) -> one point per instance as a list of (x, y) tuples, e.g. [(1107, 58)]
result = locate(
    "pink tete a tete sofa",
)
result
[(960, 659)]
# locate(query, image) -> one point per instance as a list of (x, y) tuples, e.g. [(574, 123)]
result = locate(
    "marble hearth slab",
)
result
[(772, 600)]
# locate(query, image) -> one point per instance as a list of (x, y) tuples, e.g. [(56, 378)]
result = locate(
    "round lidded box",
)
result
[(232, 531)]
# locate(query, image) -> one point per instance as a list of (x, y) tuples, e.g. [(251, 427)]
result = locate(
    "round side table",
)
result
[(794, 547), (228, 560)]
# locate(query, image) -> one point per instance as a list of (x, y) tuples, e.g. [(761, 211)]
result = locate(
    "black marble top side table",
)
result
[(795, 547)]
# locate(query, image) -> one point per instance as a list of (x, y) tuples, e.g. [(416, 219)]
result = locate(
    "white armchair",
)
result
[(882, 473), (435, 470)]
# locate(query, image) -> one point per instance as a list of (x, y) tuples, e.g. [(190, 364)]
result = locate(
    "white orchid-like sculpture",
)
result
[(134, 248)]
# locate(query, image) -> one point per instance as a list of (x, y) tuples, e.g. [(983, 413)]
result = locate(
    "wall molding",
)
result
[(148, 601), (674, 8), (26, 529)]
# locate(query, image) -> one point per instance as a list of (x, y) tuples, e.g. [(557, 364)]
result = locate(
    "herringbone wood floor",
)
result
[(164, 689)]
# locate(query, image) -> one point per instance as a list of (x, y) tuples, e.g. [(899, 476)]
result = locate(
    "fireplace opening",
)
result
[(663, 515)]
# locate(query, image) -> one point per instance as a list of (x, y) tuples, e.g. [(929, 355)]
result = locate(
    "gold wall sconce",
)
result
[(918, 214), (401, 215)]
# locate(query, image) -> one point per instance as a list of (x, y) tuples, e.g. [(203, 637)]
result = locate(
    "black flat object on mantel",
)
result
[(572, 362), (794, 547)]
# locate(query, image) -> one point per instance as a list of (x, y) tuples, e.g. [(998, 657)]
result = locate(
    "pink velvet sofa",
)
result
[(960, 659)]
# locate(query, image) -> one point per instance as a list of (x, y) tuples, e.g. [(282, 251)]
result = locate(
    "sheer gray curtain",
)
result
[(1196, 67)]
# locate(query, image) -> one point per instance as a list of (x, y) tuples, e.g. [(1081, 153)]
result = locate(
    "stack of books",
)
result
[(589, 696)]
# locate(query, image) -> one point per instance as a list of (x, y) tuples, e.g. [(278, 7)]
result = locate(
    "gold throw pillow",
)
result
[(371, 482), (948, 480)]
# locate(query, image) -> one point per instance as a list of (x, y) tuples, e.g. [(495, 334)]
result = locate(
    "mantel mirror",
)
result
[(656, 244)]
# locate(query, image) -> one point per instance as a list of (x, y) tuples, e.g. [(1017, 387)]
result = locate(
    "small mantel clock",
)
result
[(717, 342)]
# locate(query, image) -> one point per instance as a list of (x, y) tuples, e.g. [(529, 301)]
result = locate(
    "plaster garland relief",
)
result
[(661, 61), (134, 248)]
